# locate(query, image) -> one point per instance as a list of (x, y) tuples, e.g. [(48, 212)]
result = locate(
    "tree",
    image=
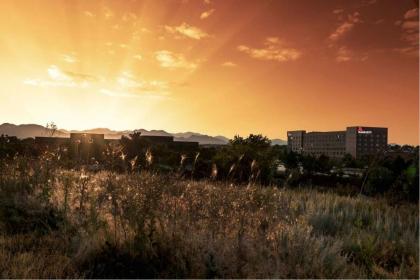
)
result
[(51, 129), (324, 164), (248, 158), (291, 160), (379, 180), (348, 161)]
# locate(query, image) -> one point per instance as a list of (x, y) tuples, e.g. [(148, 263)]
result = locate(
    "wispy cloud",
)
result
[(69, 58), (345, 27), (410, 25), (410, 33), (229, 64), (206, 14), (88, 14), (129, 17), (411, 13), (59, 78), (172, 60), (138, 57), (273, 49), (107, 12), (187, 30), (124, 85), (127, 85), (344, 54)]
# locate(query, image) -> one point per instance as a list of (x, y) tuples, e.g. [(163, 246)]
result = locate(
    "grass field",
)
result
[(66, 223)]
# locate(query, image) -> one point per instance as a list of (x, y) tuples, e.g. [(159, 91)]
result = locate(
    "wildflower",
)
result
[(253, 165), (231, 169), (213, 171), (183, 158), (196, 157), (133, 162), (149, 157)]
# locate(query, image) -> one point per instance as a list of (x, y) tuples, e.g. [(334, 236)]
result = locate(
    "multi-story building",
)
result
[(357, 141), (295, 140), (332, 143), (365, 141)]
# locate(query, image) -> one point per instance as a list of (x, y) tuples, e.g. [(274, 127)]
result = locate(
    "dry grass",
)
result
[(145, 225)]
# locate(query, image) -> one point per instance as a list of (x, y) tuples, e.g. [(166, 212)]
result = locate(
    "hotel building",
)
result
[(357, 141)]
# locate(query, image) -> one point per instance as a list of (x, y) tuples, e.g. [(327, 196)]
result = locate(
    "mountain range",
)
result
[(33, 130)]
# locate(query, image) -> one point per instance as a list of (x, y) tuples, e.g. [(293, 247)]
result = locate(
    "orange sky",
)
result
[(217, 67)]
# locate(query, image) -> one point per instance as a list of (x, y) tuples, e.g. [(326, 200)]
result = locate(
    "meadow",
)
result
[(63, 223)]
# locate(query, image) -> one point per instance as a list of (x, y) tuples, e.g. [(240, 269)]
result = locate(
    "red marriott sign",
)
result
[(360, 130)]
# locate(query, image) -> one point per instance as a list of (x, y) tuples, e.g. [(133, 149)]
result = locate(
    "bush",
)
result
[(379, 180)]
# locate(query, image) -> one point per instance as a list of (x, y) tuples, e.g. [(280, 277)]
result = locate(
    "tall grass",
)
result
[(68, 223)]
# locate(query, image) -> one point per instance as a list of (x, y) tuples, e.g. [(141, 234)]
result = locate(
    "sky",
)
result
[(223, 67)]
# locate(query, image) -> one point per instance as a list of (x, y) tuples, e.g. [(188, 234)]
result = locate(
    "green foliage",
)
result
[(379, 180)]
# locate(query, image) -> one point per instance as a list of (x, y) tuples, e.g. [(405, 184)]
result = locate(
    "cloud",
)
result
[(59, 78), (206, 14), (88, 14), (229, 64), (187, 30), (410, 25), (138, 57), (411, 38), (344, 54), (345, 27), (171, 60), (411, 13), (124, 85), (107, 12), (129, 17), (410, 51), (127, 85), (69, 58), (273, 50), (368, 2), (410, 33)]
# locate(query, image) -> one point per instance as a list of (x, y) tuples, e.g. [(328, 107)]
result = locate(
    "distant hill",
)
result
[(278, 142), (33, 130), (26, 130)]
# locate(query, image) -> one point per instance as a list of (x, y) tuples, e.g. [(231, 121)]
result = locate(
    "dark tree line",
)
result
[(244, 160)]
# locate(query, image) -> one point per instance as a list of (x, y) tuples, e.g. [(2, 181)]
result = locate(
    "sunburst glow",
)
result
[(218, 67)]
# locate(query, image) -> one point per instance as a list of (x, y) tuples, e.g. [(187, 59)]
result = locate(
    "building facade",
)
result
[(365, 141), (332, 143), (295, 140), (357, 141)]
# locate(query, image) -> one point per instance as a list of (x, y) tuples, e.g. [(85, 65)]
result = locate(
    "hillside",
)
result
[(33, 130)]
